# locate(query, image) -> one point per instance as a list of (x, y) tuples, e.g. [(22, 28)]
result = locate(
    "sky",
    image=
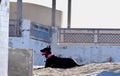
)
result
[(87, 13)]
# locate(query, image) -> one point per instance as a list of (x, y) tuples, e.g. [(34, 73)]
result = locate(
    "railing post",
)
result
[(0, 1), (69, 13), (53, 13), (96, 36), (19, 17)]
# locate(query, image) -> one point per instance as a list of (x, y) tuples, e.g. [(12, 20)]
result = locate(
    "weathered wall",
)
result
[(26, 42), (83, 54), (89, 54), (20, 62), (86, 53), (4, 22)]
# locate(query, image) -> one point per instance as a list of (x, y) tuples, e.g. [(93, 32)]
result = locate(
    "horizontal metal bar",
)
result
[(89, 28)]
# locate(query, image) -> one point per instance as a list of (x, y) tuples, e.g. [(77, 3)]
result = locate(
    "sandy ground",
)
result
[(94, 69)]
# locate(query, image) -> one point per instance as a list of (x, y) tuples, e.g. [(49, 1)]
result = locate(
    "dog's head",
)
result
[(46, 51)]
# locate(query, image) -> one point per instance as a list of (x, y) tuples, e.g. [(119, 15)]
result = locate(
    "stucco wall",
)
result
[(36, 13)]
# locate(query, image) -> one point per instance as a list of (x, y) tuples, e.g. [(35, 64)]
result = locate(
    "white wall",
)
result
[(90, 54), (4, 22), (83, 54)]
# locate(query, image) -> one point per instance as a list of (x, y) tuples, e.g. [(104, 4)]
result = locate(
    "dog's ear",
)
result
[(49, 46)]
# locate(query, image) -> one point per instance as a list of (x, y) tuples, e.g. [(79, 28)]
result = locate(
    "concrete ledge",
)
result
[(20, 62)]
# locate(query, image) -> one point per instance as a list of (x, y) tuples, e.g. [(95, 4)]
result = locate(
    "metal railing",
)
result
[(84, 35)]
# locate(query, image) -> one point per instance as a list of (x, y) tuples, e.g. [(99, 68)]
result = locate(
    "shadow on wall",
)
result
[(0, 1), (107, 73)]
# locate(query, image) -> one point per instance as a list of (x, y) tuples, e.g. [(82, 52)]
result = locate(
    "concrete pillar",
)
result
[(54, 45), (54, 28), (4, 22)]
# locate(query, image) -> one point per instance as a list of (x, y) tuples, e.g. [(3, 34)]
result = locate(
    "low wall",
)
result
[(89, 54), (20, 62)]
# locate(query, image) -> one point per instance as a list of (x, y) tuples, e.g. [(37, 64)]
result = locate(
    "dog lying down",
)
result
[(57, 62)]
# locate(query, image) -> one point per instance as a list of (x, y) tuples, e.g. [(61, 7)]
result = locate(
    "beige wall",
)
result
[(35, 13)]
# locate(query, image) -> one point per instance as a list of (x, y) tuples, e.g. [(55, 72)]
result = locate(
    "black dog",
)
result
[(57, 62)]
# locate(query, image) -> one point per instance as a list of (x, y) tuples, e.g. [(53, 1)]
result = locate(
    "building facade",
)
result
[(84, 45), (36, 13)]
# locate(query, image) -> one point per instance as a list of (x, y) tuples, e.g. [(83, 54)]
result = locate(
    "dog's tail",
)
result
[(77, 63), (80, 64)]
